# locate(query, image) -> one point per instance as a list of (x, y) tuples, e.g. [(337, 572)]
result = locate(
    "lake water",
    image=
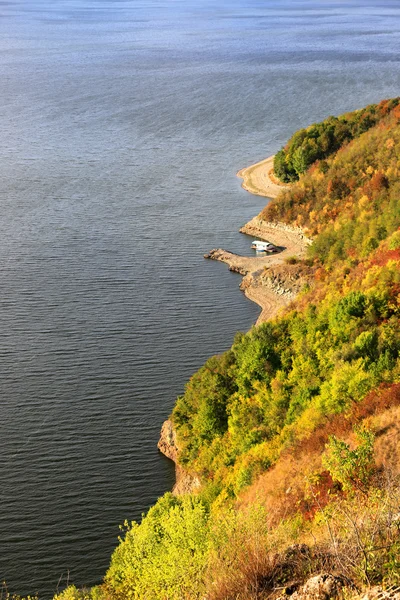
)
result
[(122, 125)]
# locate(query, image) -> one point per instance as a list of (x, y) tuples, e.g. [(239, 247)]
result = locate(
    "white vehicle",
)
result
[(263, 246)]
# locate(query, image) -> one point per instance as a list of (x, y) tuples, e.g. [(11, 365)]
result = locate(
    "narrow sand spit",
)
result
[(257, 179)]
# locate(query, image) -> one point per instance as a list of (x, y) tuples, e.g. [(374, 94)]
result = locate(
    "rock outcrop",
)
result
[(378, 593), (320, 587), (186, 483), (167, 443), (287, 279), (257, 227), (237, 264)]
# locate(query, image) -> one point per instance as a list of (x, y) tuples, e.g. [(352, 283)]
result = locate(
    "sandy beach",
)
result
[(258, 179)]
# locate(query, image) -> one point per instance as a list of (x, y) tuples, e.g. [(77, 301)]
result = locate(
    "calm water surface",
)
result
[(122, 126)]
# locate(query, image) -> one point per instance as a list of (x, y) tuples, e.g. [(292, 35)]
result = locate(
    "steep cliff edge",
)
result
[(167, 443), (186, 483), (295, 428)]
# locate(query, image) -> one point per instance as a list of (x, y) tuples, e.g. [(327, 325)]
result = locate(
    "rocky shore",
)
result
[(291, 236), (270, 289), (185, 483)]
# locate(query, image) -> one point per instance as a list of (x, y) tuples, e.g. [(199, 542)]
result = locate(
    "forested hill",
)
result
[(349, 202), (294, 431), (320, 140)]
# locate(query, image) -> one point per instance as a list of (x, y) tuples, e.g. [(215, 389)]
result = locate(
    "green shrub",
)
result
[(165, 556), (353, 469), (394, 242), (320, 140)]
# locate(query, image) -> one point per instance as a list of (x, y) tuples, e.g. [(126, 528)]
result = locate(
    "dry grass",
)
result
[(299, 483), (355, 538)]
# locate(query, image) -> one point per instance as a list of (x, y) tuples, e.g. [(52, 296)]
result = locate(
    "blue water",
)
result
[(122, 125)]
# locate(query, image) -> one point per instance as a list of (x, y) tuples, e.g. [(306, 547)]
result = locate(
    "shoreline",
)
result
[(267, 281), (257, 179), (258, 284)]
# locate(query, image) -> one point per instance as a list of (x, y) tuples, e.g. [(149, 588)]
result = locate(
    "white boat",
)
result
[(263, 246)]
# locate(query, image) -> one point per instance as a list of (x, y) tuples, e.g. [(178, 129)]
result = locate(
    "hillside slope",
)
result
[(294, 431), (320, 140)]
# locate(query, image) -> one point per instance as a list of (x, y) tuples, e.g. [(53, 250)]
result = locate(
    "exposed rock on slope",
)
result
[(293, 238), (167, 442), (320, 587), (186, 483)]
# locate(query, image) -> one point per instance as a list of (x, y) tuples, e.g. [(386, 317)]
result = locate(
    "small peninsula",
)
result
[(269, 280)]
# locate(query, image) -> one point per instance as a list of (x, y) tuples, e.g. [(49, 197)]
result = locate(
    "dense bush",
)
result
[(321, 359), (165, 556), (351, 205), (236, 555)]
